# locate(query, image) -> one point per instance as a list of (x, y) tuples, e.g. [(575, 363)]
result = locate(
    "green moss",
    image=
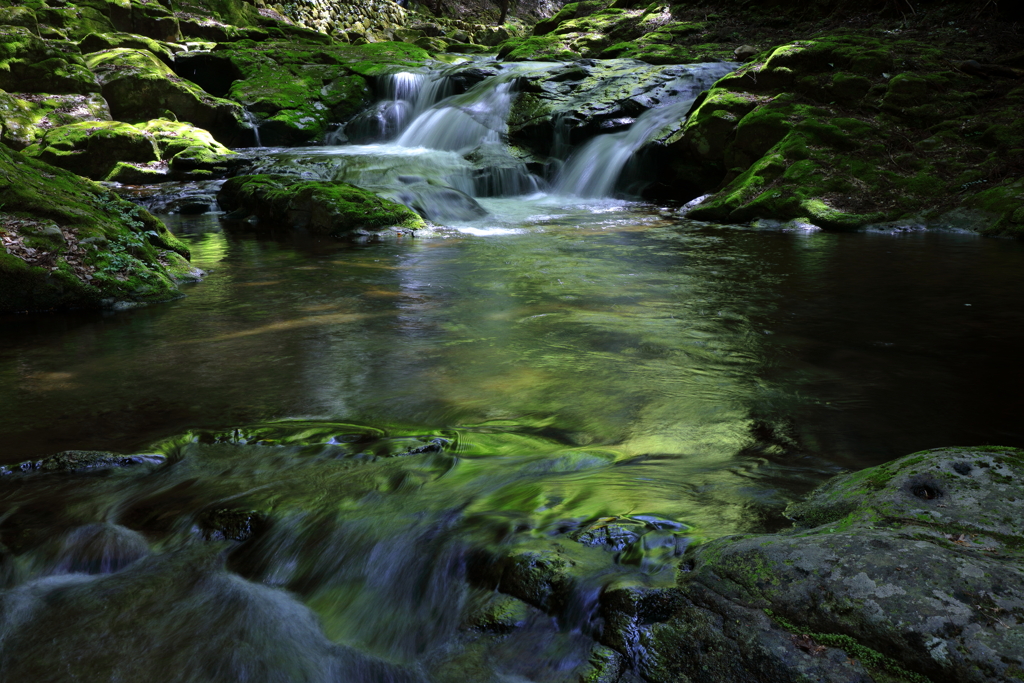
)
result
[(872, 659), (536, 48), (31, 64), (94, 148), (91, 247), (321, 207), (25, 118)]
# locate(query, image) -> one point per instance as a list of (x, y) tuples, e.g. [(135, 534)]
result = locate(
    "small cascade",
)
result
[(254, 126), (594, 169), (405, 95), (464, 121)]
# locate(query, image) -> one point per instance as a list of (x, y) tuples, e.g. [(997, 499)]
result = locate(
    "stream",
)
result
[(339, 438)]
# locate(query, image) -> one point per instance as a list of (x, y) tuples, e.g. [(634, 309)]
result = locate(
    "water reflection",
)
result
[(743, 366)]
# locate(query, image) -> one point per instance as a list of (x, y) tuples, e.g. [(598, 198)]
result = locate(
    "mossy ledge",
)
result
[(67, 243)]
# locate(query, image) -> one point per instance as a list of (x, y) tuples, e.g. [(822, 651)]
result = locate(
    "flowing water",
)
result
[(341, 441)]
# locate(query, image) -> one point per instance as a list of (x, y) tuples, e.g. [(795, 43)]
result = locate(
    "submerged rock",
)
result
[(79, 461), (319, 207), (173, 617)]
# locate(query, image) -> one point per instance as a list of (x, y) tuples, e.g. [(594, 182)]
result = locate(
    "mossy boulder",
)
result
[(25, 117), (140, 87), (93, 148), (190, 152), (70, 244), (31, 64), (98, 42), (318, 207), (919, 560)]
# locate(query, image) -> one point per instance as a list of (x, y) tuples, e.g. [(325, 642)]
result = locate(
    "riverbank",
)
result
[(840, 121)]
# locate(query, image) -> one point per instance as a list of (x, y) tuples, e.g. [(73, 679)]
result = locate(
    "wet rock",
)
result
[(99, 549), (225, 524), (913, 566), (80, 461), (569, 104), (438, 203), (170, 617), (320, 207)]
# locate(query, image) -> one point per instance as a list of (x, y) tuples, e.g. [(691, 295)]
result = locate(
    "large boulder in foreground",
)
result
[(911, 571), (67, 243), (319, 207)]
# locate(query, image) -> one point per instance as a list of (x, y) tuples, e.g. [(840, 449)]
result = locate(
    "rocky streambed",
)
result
[(539, 542), (909, 571)]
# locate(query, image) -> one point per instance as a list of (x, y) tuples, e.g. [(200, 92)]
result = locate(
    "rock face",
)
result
[(601, 29), (319, 207), (139, 87), (295, 93), (573, 102), (804, 131), (69, 244)]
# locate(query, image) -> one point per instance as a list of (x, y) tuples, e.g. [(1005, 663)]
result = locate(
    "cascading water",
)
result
[(254, 126), (450, 150), (595, 169), (404, 96)]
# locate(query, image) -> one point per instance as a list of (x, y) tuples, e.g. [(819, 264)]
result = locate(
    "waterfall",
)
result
[(595, 168), (254, 125), (464, 121), (405, 95)]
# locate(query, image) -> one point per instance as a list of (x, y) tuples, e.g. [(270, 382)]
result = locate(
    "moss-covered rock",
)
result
[(189, 151), (25, 117), (319, 207), (825, 130), (67, 243), (98, 42), (919, 560), (295, 92), (94, 148), (139, 87), (31, 64)]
